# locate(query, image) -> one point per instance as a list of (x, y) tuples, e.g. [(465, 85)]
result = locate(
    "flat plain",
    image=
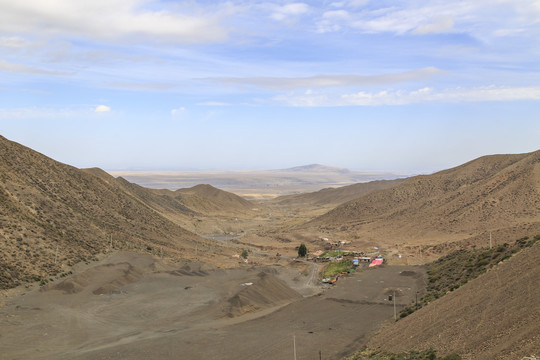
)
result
[(257, 184)]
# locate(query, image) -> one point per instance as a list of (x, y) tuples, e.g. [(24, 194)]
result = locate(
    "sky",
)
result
[(405, 86)]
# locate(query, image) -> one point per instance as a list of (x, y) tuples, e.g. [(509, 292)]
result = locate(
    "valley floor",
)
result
[(133, 306)]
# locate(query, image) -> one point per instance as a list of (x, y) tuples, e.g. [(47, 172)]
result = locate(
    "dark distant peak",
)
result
[(317, 168)]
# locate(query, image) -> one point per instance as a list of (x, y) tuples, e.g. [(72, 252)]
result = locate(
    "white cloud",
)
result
[(289, 10), (13, 42), (357, 3), (400, 97), (332, 80), (442, 25), (333, 21), (480, 18), (24, 69), (178, 111), (102, 109), (112, 20), (349, 3)]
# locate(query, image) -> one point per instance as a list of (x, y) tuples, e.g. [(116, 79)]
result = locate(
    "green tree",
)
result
[(244, 254), (302, 250)]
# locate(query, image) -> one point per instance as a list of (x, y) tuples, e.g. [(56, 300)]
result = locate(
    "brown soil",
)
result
[(266, 291), (491, 193), (53, 216), (122, 308), (185, 299), (496, 316)]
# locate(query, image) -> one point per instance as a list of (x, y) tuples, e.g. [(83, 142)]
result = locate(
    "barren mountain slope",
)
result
[(187, 207), (49, 208), (335, 196), (212, 201), (490, 193), (162, 201), (496, 316)]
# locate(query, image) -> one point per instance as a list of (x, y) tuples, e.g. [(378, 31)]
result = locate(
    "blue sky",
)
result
[(408, 86)]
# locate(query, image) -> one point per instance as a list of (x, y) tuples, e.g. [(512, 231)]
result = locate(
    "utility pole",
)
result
[(490, 245), (56, 256), (417, 300), (395, 314), (294, 346), (110, 247), (320, 355)]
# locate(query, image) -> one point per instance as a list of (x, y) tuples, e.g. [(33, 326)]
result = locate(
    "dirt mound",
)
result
[(270, 270), (194, 269), (69, 286), (101, 279), (496, 316), (267, 291)]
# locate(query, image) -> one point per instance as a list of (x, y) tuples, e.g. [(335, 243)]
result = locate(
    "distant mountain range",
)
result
[(317, 168), (258, 183)]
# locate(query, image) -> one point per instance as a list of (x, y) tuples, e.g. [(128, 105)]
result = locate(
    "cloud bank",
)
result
[(395, 98), (284, 83), (107, 20)]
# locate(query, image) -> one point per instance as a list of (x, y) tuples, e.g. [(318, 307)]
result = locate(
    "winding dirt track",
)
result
[(131, 306)]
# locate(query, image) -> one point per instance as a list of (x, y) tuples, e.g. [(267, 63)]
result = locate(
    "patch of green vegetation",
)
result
[(244, 254), (429, 354), (302, 250), (333, 253), (459, 267), (335, 268)]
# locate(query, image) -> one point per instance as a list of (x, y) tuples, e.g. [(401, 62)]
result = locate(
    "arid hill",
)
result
[(198, 200), (491, 193), (53, 215), (200, 209), (209, 200), (496, 316), (334, 196)]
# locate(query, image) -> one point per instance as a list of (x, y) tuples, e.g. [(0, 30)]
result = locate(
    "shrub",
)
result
[(302, 250)]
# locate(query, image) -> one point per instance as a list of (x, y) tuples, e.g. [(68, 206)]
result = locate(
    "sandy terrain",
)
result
[(132, 306)]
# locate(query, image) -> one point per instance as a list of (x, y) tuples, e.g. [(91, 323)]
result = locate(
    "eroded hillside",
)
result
[(53, 215), (496, 316), (491, 193)]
